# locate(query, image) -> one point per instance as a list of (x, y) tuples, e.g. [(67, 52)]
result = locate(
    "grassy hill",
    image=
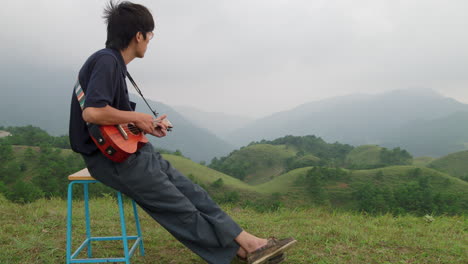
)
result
[(257, 163), (340, 192), (204, 174), (364, 156), (35, 233), (291, 188), (455, 164), (28, 160)]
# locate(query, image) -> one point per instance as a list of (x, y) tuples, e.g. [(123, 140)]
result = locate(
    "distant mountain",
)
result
[(220, 124), (383, 119), (436, 137), (39, 97), (42, 98), (195, 142)]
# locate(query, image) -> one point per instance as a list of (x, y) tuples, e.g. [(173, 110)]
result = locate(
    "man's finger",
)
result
[(161, 117)]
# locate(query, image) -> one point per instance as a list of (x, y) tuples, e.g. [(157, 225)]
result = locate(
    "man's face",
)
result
[(142, 43)]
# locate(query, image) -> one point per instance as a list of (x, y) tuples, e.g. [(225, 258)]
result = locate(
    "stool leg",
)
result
[(88, 224), (124, 230), (69, 221), (137, 223)]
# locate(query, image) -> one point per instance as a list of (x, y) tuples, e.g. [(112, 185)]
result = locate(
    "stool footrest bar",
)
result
[(81, 247), (97, 260), (135, 245), (112, 238), (85, 243)]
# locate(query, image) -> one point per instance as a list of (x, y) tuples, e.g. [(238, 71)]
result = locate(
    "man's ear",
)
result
[(139, 37)]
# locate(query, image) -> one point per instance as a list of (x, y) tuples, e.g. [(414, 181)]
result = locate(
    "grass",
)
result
[(398, 175), (284, 183), (365, 155), (264, 161), (35, 233), (203, 173), (422, 161), (454, 164)]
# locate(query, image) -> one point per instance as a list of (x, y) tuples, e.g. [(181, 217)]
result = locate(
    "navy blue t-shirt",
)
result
[(102, 79)]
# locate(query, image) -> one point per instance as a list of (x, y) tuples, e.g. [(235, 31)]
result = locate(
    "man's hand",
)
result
[(110, 116), (161, 125), (145, 122)]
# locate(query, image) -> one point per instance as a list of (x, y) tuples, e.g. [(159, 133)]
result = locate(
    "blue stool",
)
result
[(83, 177)]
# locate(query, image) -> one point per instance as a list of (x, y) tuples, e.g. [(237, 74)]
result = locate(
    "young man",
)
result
[(180, 206)]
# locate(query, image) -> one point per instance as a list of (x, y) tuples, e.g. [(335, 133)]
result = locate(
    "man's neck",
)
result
[(128, 55)]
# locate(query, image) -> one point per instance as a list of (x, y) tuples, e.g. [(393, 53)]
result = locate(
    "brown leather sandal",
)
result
[(273, 248), (274, 260)]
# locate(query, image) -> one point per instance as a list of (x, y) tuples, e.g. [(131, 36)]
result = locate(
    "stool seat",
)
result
[(82, 175)]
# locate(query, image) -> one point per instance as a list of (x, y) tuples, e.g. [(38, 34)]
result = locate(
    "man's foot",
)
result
[(249, 243), (273, 248)]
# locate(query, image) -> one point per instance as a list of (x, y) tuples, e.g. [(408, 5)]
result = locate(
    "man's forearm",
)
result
[(108, 116)]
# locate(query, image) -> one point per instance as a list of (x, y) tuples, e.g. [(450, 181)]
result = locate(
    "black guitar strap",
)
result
[(139, 92), (81, 96)]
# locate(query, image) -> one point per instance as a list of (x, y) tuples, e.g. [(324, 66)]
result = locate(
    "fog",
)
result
[(253, 57)]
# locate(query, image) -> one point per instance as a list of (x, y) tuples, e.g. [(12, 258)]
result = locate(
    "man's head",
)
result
[(127, 21)]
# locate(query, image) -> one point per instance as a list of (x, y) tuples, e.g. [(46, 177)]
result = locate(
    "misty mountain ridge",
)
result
[(360, 120), (389, 119), (42, 98)]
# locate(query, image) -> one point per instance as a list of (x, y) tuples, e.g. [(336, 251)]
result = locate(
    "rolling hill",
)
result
[(256, 163), (455, 164), (292, 188), (204, 174), (364, 156), (340, 192)]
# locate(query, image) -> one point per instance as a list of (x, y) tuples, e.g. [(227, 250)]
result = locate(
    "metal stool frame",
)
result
[(71, 258)]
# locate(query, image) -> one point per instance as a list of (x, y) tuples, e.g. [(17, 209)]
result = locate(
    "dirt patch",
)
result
[(343, 185)]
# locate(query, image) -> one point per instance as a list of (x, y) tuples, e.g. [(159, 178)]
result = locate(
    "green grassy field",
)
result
[(36, 233)]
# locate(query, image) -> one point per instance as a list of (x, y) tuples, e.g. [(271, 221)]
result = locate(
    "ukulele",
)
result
[(118, 142)]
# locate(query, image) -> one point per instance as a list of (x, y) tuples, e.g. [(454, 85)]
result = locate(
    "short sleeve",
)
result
[(101, 88)]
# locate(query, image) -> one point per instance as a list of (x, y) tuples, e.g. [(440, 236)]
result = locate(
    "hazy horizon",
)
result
[(255, 57)]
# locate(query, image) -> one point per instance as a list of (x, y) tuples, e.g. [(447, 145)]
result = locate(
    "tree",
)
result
[(316, 183), (396, 156), (24, 192), (217, 183)]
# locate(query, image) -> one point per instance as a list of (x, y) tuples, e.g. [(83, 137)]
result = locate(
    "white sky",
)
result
[(256, 57)]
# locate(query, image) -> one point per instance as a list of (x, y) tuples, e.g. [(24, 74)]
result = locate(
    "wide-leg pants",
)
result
[(174, 201)]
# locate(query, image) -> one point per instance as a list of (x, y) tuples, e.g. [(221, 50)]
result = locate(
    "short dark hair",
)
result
[(124, 20)]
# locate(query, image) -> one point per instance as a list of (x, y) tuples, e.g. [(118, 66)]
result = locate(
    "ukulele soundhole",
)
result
[(133, 129)]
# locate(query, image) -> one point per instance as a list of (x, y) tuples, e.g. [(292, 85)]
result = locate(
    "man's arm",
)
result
[(111, 116)]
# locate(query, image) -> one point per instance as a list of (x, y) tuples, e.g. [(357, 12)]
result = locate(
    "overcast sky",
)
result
[(256, 57)]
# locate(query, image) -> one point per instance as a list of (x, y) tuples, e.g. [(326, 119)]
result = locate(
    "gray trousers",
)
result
[(173, 200)]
